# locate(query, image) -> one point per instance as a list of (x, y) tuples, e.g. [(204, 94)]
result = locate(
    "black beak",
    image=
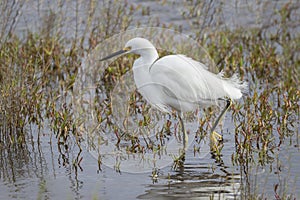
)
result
[(114, 54)]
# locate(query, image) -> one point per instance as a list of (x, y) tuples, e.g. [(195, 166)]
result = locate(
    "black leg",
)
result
[(229, 102)]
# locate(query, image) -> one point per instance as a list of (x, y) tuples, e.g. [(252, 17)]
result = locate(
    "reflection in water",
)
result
[(27, 169), (199, 178), (21, 165), (37, 171), (43, 171)]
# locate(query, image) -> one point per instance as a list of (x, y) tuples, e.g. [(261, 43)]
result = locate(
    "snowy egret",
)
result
[(179, 82)]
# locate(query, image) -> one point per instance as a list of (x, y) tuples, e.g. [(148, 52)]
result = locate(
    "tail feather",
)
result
[(234, 87)]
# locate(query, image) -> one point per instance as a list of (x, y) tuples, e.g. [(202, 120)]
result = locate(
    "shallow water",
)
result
[(40, 171), (44, 173)]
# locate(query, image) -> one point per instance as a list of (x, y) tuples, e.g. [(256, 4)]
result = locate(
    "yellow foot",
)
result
[(216, 142)]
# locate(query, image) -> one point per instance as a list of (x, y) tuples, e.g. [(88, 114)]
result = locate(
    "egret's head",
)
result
[(139, 46)]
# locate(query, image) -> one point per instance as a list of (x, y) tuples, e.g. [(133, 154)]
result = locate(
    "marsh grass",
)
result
[(37, 73)]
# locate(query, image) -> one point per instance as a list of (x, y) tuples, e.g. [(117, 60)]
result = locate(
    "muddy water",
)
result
[(40, 171)]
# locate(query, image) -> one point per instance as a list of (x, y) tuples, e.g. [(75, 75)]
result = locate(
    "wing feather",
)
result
[(186, 83)]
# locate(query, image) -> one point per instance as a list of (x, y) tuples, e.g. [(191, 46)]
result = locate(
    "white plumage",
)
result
[(177, 81)]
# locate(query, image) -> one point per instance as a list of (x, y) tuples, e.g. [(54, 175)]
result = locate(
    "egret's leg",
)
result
[(185, 136), (178, 162), (215, 137)]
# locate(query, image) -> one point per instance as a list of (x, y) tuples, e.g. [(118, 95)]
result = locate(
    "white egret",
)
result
[(179, 82)]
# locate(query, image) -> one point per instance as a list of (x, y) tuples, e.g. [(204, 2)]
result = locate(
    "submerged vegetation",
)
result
[(39, 68)]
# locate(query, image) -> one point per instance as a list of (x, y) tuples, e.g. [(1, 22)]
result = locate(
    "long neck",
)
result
[(141, 72), (147, 57)]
